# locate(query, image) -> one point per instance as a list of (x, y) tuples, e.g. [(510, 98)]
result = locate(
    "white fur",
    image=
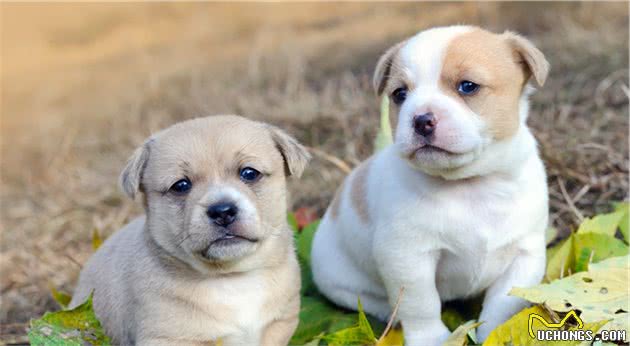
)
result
[(444, 228)]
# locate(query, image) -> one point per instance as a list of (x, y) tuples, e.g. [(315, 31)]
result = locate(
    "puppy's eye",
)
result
[(249, 175), (181, 186), (399, 95), (467, 87)]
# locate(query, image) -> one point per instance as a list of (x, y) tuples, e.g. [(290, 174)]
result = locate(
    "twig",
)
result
[(569, 200), (339, 163), (73, 260), (393, 316)]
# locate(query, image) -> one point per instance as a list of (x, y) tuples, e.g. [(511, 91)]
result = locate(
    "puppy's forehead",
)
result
[(214, 141), (423, 55)]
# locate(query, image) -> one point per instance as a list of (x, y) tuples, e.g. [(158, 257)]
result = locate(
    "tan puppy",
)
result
[(214, 257), (458, 204)]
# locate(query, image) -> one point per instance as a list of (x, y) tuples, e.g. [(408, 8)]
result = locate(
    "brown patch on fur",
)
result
[(335, 205), (383, 69), (358, 191), (494, 62)]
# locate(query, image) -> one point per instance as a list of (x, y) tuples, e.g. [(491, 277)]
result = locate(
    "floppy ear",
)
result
[(294, 154), (383, 68), (533, 58), (131, 176)]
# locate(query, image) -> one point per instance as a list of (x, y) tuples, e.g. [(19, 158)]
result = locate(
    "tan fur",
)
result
[(358, 191), (534, 60), (489, 60), (151, 284)]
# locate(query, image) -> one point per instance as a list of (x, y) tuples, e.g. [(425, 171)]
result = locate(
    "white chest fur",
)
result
[(477, 224)]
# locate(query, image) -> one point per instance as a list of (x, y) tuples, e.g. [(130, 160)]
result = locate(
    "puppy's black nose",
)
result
[(222, 214), (424, 124)]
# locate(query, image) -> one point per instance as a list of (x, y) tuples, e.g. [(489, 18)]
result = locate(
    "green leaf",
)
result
[(603, 224), (364, 325), (576, 252), (317, 317), (78, 326), (560, 259), (62, 298), (361, 334), (452, 318), (292, 220), (595, 247), (624, 208), (305, 241), (459, 337), (384, 136), (600, 294)]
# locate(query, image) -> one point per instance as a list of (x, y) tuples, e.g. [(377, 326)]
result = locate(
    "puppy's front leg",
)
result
[(526, 270), (279, 332), (420, 306)]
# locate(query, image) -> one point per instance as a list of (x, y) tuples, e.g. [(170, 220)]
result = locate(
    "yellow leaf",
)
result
[(393, 338), (601, 293), (516, 331), (62, 298), (97, 241), (459, 337)]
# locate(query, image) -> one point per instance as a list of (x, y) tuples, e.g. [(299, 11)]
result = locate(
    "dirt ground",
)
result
[(83, 84)]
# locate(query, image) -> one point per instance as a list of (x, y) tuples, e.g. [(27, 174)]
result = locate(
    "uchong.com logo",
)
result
[(578, 333)]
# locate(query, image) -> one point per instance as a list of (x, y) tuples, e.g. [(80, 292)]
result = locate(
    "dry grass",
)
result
[(112, 74)]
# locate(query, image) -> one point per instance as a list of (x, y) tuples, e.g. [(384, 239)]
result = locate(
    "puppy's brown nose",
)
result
[(424, 124), (222, 214)]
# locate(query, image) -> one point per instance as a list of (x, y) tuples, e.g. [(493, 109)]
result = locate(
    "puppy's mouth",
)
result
[(228, 246), (231, 239), (429, 149)]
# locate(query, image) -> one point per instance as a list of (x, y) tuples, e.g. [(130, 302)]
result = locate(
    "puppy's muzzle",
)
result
[(424, 124), (223, 213)]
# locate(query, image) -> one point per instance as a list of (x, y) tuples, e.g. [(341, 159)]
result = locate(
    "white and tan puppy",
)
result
[(458, 204), (213, 259)]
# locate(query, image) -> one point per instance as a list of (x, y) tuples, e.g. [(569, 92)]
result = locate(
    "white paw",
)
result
[(431, 335)]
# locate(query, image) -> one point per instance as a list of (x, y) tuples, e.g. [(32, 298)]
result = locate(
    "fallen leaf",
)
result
[(62, 298), (624, 208), (603, 223), (560, 259), (384, 136), (360, 334), (318, 317), (515, 331), (97, 241), (594, 247), (78, 326), (393, 338), (600, 294), (292, 221), (305, 241), (459, 337), (550, 235)]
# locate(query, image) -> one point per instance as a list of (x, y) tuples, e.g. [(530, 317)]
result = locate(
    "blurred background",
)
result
[(83, 84)]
